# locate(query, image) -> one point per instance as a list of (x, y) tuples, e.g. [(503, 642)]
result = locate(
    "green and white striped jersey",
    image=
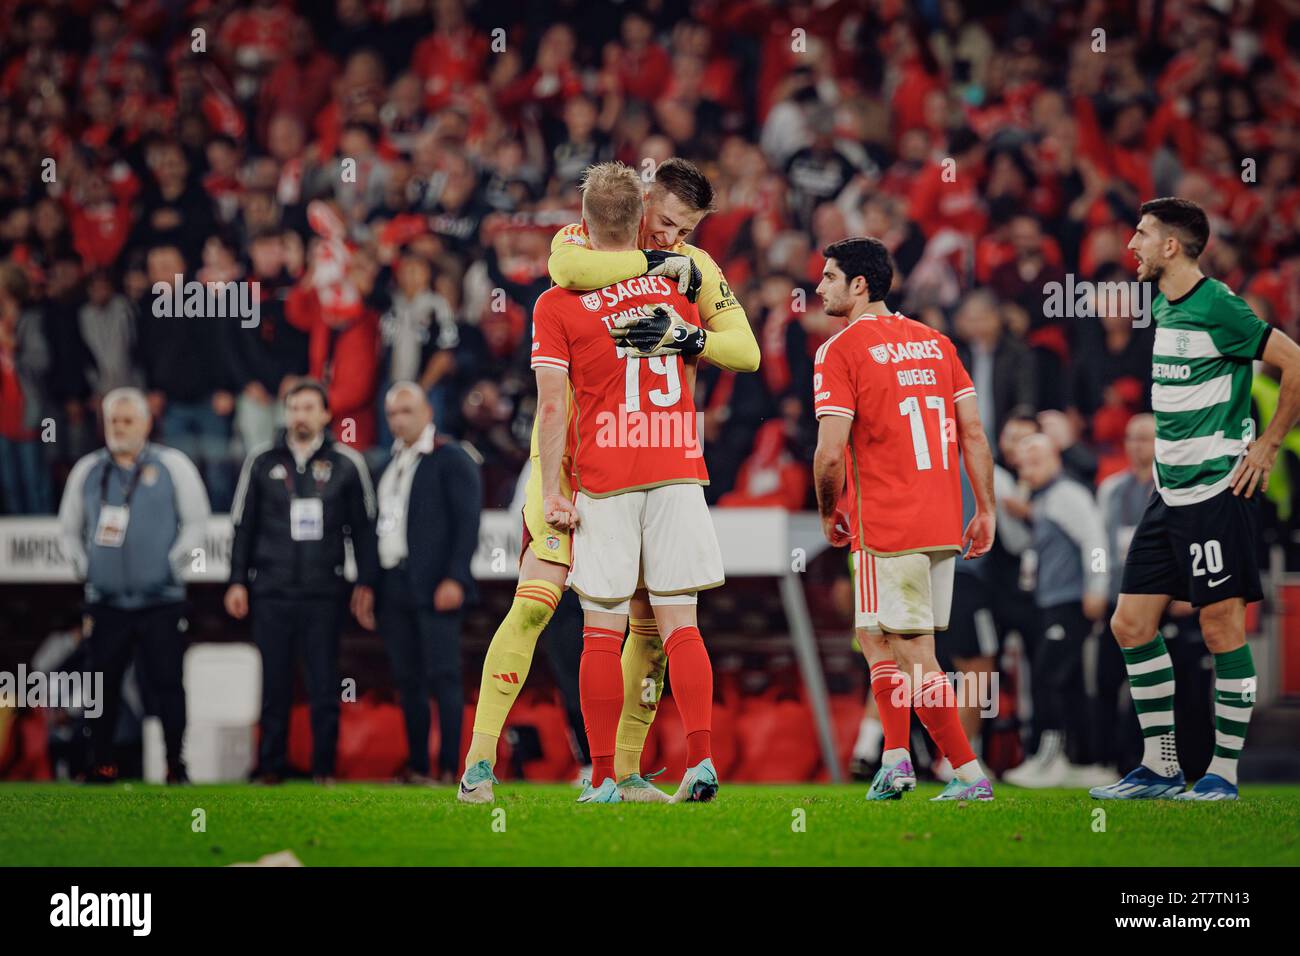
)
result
[(1200, 389)]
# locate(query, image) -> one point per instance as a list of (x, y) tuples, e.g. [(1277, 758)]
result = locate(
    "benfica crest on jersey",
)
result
[(321, 471), (880, 353), (591, 301)]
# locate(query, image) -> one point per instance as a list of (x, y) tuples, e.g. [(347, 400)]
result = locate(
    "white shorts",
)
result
[(662, 537), (903, 593)]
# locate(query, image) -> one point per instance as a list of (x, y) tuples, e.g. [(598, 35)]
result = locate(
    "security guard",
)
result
[(296, 502), (132, 516)]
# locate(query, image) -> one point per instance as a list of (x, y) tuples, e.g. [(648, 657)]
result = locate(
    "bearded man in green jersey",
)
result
[(1198, 539)]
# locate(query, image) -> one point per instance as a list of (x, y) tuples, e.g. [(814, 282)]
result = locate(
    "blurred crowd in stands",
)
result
[(994, 147)]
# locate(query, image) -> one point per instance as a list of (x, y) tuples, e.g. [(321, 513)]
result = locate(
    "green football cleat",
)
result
[(700, 785), (981, 790), (607, 792), (891, 780), (476, 784), (635, 788)]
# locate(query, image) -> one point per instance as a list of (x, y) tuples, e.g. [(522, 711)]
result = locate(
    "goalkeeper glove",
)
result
[(659, 330), (676, 266)]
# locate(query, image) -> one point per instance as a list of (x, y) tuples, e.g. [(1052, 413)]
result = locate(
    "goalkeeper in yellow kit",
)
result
[(675, 202)]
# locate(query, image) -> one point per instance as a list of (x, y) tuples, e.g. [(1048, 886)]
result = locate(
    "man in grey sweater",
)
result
[(1070, 559), (133, 517)]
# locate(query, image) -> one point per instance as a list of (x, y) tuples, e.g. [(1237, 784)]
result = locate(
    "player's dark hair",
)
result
[(864, 256), (1184, 218), (308, 385), (684, 180)]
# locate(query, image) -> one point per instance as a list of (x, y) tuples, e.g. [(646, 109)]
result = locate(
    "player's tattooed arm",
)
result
[(978, 460), (1283, 353), (552, 426), (828, 475)]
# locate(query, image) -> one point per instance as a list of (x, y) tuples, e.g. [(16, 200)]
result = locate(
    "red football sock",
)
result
[(936, 704), (600, 691), (691, 676), (894, 703)]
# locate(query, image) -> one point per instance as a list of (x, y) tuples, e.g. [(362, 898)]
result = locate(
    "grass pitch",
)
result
[(749, 825)]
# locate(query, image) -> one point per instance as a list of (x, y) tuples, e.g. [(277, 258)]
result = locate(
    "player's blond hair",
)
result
[(612, 204)]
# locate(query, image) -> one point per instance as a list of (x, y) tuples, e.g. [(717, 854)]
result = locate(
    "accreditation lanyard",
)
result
[(110, 528), (306, 515)]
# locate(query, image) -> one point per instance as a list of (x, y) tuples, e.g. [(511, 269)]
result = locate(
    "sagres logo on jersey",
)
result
[(880, 353), (591, 301)]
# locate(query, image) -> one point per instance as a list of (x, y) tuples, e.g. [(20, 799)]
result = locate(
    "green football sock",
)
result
[(1234, 698), (1151, 683)]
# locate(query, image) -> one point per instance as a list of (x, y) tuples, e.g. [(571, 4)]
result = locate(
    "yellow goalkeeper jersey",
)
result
[(730, 343)]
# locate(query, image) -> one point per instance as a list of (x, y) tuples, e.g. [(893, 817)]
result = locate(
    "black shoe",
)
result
[(324, 780), (104, 773), (178, 777), (268, 779)]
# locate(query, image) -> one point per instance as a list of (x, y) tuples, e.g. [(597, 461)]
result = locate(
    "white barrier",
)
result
[(756, 542), (223, 700)]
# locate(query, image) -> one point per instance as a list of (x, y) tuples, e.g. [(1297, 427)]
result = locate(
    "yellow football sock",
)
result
[(644, 663), (505, 668)]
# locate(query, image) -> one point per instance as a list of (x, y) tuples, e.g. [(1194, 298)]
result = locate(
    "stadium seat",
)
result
[(778, 742), (372, 741), (846, 718), (24, 752), (545, 718)]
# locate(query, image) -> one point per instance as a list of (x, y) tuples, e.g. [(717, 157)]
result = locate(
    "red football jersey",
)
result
[(635, 420), (899, 382)]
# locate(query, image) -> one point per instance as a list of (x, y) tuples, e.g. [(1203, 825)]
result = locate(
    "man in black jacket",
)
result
[(296, 502), (430, 496)]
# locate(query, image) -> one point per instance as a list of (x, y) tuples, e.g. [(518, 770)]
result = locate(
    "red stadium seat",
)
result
[(372, 741), (546, 717), (666, 743), (24, 752), (778, 742)]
